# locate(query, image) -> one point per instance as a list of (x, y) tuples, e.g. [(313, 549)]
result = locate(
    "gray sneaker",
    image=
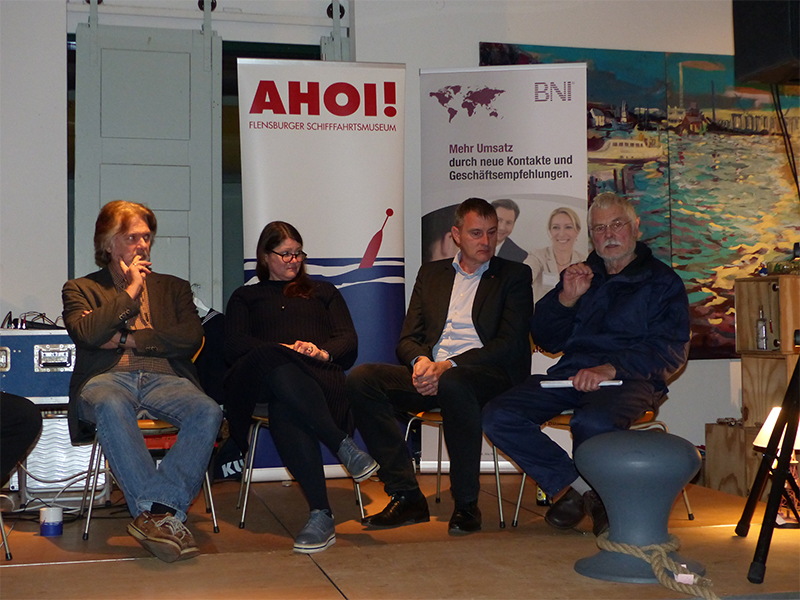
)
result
[(318, 534), (358, 463)]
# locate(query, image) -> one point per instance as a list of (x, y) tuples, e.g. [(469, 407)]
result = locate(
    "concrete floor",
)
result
[(418, 561)]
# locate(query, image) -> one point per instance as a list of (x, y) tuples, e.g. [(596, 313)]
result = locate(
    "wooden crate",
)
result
[(766, 373), (765, 378), (752, 461), (731, 462), (779, 297)]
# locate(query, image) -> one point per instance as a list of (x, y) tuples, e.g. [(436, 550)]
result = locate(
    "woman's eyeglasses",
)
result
[(288, 256)]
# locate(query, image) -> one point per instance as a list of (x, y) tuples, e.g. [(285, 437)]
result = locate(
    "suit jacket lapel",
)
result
[(154, 289), (442, 284), (105, 285), (488, 281)]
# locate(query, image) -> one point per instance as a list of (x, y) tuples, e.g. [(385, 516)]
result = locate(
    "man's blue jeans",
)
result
[(113, 401)]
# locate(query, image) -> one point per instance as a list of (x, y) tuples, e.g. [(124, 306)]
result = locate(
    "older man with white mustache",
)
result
[(621, 315)]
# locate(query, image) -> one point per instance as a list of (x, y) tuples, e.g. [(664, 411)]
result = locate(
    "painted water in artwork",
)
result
[(701, 158)]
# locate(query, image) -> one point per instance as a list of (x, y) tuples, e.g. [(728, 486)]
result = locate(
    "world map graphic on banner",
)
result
[(469, 99), (514, 136)]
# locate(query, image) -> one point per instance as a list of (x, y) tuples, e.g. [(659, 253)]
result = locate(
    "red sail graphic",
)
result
[(374, 244)]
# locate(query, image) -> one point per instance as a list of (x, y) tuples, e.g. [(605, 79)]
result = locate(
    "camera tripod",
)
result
[(788, 418)]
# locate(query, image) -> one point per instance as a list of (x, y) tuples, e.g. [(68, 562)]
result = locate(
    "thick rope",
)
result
[(656, 555)]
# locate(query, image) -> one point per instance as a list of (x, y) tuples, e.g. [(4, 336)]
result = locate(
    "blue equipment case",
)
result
[(37, 364)]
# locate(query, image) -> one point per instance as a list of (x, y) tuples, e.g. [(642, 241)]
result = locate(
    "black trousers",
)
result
[(377, 392), (20, 424), (299, 419), (513, 422)]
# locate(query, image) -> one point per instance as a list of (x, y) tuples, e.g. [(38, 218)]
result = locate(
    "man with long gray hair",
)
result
[(136, 332)]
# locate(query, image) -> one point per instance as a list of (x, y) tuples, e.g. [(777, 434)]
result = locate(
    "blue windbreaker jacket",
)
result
[(637, 320)]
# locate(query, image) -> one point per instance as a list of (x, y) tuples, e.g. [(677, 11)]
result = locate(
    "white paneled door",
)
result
[(147, 129)]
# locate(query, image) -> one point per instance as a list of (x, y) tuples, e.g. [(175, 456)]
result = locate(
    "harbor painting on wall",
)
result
[(702, 159)]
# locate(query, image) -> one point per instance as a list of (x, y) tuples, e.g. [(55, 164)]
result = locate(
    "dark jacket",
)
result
[(510, 251), (637, 320), (503, 304), (258, 319), (177, 333)]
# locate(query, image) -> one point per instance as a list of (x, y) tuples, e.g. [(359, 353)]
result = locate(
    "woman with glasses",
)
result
[(289, 340), (547, 263)]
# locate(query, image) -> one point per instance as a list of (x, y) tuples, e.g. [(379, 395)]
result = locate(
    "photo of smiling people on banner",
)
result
[(514, 136)]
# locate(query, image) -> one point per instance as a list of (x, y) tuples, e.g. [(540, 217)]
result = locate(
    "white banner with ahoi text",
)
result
[(322, 148)]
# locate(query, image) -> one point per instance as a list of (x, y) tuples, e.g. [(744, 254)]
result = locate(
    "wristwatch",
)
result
[(123, 337)]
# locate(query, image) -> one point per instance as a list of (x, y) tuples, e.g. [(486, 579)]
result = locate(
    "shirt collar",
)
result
[(478, 272), (119, 280)]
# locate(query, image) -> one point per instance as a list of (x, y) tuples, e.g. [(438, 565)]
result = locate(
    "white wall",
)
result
[(419, 33), (273, 21), (33, 156)]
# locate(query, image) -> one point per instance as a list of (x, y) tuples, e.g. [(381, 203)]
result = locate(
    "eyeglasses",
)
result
[(288, 256), (614, 226)]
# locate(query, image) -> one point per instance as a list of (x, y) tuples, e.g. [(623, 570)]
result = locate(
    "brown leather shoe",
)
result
[(164, 536)]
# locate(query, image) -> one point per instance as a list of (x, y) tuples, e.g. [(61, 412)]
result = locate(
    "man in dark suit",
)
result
[(507, 215), (136, 333), (464, 341)]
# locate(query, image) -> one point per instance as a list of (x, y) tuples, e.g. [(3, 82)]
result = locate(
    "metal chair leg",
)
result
[(5, 537), (359, 500), (439, 456), (408, 426), (663, 426), (405, 439), (243, 480), (499, 493), (519, 500), (94, 473), (210, 501), (688, 507), (88, 477), (249, 472), (439, 469)]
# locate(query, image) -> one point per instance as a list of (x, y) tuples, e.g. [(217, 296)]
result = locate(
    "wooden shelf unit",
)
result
[(731, 460), (766, 373)]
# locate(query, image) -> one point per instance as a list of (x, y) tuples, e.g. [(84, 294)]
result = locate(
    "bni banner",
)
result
[(322, 148), (515, 136)]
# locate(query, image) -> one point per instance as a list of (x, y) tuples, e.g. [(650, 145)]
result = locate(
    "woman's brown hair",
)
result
[(271, 237)]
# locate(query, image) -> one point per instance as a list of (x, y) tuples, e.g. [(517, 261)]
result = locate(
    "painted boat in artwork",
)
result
[(621, 150)]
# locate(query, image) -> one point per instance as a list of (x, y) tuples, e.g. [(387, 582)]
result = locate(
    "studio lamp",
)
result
[(790, 502)]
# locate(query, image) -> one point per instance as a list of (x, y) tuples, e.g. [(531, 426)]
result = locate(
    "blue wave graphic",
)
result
[(343, 272), (375, 297)]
